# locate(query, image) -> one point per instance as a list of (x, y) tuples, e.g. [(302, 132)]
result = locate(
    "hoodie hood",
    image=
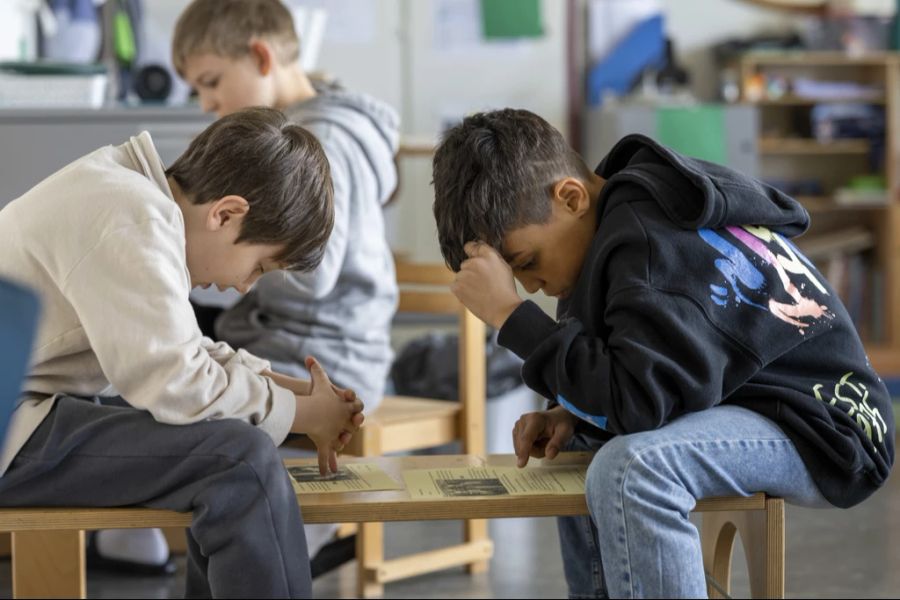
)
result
[(697, 194), (371, 123), (146, 161)]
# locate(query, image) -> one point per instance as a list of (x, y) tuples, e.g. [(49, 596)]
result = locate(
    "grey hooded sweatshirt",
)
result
[(340, 313)]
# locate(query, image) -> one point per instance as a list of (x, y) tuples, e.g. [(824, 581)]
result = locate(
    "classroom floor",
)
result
[(830, 554)]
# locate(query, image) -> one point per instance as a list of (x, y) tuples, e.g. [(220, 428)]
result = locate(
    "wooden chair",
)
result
[(48, 543), (404, 423), (761, 526)]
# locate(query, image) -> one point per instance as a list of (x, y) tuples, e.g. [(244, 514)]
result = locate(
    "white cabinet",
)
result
[(36, 143)]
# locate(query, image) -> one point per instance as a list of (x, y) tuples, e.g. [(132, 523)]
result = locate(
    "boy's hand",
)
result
[(485, 285), (327, 416), (357, 419), (541, 434)]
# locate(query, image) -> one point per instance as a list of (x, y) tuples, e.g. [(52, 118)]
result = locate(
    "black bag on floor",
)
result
[(428, 367)]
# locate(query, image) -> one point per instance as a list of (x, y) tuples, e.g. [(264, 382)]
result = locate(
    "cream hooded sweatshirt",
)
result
[(102, 241)]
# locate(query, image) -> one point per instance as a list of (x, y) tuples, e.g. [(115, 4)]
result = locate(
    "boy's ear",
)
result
[(226, 212), (263, 56), (572, 196)]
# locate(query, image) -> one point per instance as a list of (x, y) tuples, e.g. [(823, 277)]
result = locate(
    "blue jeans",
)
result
[(642, 487)]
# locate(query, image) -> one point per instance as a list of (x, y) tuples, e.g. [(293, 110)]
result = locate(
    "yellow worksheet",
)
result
[(470, 482), (351, 477)]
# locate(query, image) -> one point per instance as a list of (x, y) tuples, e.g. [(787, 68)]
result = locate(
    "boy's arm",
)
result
[(662, 358), (300, 387), (221, 352), (130, 292)]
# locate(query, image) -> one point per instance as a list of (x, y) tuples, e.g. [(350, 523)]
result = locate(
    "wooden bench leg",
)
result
[(176, 538), (369, 536), (476, 531), (369, 558), (48, 564), (717, 541), (762, 536)]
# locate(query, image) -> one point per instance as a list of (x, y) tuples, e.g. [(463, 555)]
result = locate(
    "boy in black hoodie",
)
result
[(695, 348)]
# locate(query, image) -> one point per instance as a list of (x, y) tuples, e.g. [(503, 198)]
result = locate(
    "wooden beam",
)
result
[(433, 560)]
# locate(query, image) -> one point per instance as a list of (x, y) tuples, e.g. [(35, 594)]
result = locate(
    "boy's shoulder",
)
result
[(356, 114), (112, 187)]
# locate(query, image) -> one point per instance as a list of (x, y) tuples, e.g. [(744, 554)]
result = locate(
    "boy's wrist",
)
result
[(300, 387), (502, 315), (524, 328)]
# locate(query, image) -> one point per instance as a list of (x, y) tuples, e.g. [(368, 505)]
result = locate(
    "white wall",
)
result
[(18, 38), (373, 66), (412, 61), (448, 80)]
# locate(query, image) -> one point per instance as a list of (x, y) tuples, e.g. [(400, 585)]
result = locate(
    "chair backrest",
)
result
[(424, 288), (18, 321)]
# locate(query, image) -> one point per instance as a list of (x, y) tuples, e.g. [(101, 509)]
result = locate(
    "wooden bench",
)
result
[(48, 543)]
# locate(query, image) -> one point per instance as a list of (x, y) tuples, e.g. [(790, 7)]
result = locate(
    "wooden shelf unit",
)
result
[(772, 145), (789, 100), (798, 152)]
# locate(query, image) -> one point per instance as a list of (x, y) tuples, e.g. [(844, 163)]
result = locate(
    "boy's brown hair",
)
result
[(279, 168), (227, 27), (495, 172)]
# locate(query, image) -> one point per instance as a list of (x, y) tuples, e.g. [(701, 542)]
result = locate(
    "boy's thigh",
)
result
[(89, 454), (721, 451)]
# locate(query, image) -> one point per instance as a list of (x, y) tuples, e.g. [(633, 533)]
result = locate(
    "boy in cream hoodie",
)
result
[(113, 243)]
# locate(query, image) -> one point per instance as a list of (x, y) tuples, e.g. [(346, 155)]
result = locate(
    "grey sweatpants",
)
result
[(246, 539)]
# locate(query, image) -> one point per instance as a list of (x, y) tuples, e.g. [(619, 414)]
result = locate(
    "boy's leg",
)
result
[(196, 576), (642, 487), (140, 551), (247, 533), (578, 542)]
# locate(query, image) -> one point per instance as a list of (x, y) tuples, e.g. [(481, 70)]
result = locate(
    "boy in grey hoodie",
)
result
[(239, 53)]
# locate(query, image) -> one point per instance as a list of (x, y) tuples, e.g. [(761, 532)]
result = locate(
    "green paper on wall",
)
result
[(504, 19), (697, 131)]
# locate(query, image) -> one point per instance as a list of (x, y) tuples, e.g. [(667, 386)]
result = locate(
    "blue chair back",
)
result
[(18, 322)]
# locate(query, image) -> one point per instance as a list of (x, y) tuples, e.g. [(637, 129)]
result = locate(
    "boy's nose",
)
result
[(207, 104), (532, 285)]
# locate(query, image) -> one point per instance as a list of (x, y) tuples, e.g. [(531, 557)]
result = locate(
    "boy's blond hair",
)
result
[(227, 27)]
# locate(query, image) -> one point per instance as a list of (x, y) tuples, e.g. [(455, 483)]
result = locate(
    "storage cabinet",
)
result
[(828, 127)]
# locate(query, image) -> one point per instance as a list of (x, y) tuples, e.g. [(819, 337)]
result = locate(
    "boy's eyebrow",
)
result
[(511, 257)]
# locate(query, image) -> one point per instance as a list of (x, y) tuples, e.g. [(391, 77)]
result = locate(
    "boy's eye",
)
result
[(211, 83), (526, 266)]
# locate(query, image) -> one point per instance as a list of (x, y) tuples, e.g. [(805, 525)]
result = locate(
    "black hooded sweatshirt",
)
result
[(691, 296)]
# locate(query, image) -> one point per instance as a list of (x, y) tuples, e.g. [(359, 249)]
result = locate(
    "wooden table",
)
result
[(48, 543)]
